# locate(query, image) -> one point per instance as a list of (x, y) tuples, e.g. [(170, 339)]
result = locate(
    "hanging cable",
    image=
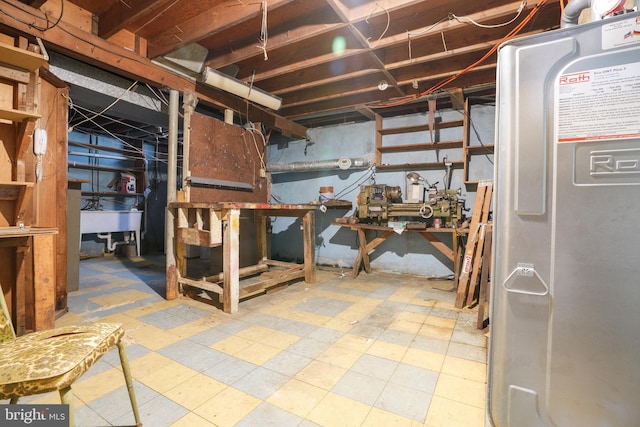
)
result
[(450, 79), (34, 26), (115, 101), (504, 24), (378, 5), (264, 35)]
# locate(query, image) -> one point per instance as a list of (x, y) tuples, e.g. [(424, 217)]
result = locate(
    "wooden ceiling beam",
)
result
[(220, 17), (86, 47), (309, 28), (121, 14)]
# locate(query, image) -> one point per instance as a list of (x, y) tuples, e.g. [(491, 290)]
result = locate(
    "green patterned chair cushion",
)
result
[(45, 361)]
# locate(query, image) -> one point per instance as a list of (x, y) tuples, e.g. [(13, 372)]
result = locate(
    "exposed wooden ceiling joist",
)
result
[(325, 58)]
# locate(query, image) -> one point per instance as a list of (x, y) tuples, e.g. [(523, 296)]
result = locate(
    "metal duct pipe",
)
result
[(572, 12), (342, 163)]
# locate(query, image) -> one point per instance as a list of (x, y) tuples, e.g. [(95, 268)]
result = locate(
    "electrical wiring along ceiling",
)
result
[(330, 61)]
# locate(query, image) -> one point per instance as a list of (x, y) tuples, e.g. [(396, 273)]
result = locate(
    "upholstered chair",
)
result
[(51, 360)]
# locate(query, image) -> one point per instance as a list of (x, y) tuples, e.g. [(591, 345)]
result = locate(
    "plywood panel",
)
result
[(225, 152)]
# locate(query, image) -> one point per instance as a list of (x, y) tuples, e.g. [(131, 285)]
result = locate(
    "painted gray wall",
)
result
[(337, 246)]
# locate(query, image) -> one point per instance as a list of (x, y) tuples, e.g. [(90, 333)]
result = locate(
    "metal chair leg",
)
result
[(66, 396), (124, 361)]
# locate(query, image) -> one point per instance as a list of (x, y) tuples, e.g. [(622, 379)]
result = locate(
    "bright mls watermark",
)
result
[(34, 415)]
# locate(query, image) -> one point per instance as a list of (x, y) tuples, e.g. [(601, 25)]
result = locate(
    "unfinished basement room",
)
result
[(334, 213)]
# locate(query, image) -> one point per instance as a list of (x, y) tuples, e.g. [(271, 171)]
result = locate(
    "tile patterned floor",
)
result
[(380, 350)]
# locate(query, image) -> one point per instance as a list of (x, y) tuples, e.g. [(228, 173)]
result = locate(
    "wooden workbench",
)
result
[(452, 252), (215, 224)]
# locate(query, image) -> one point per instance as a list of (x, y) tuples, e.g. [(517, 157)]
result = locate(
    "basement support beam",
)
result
[(172, 173)]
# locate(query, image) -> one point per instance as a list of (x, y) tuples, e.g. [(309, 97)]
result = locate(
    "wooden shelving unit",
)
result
[(23, 118), (381, 149)]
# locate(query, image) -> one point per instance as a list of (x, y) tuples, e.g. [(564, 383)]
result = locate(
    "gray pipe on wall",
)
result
[(342, 163), (572, 12)]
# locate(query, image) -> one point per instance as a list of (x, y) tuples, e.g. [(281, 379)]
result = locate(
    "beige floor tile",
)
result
[(232, 345), (258, 353), (340, 324), (433, 331), (440, 321), (448, 413), (151, 308), (170, 376), (405, 326), (148, 364), (281, 340), (449, 305), (464, 368), (339, 356), (337, 411), (228, 407), (355, 313), (255, 333), (126, 321), (321, 374), (355, 342), (387, 350), (152, 337), (424, 359), (379, 418), (297, 397), (461, 390), (117, 299), (195, 392), (98, 385), (192, 420)]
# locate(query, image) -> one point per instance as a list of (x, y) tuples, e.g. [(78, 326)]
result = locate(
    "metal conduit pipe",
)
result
[(342, 163), (572, 12)]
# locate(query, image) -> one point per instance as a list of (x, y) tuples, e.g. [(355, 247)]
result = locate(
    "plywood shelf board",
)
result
[(17, 115), (20, 58)]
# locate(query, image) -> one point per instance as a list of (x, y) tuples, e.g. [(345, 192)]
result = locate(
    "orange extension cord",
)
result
[(491, 51)]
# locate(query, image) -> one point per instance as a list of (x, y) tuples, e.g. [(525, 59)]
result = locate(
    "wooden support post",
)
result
[(231, 261)]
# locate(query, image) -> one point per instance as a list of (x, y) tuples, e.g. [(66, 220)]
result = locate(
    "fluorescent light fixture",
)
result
[(227, 83)]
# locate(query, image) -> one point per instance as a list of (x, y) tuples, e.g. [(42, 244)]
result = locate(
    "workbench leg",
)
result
[(365, 251), (362, 253), (456, 257), (308, 230), (261, 236), (231, 262)]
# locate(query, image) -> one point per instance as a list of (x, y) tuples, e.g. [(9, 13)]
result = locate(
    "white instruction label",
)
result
[(602, 103), (621, 33)]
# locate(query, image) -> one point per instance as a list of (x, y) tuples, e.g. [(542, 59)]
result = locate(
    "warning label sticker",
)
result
[(598, 104), (621, 33)]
